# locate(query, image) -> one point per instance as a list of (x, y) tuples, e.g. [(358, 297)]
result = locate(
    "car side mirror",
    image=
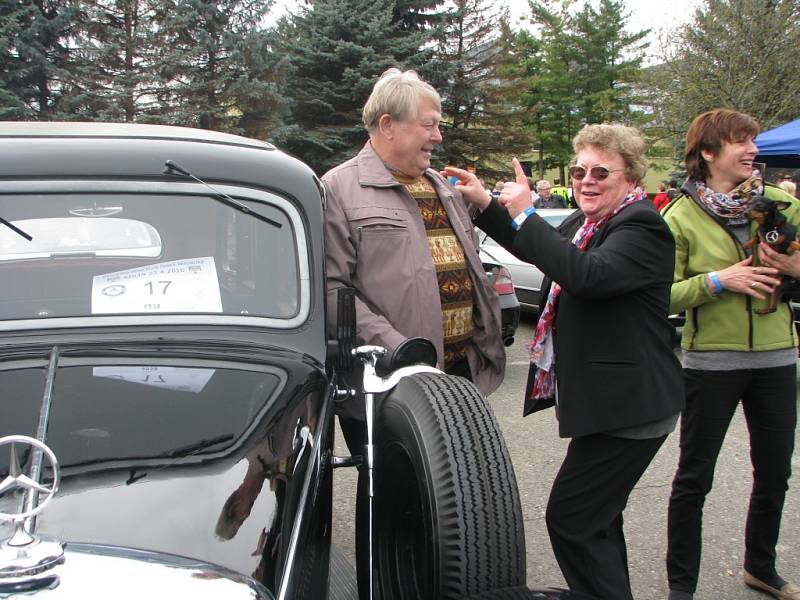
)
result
[(413, 351)]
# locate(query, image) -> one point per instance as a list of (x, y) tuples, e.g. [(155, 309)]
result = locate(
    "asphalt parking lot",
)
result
[(537, 451)]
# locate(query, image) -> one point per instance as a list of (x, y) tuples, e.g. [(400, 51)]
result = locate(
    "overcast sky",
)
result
[(657, 15), (645, 14)]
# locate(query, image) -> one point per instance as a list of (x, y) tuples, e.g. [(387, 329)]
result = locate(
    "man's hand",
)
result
[(470, 187), (516, 195), (785, 263)]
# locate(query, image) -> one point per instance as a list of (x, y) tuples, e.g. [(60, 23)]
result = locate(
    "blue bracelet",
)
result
[(714, 277), (520, 218)]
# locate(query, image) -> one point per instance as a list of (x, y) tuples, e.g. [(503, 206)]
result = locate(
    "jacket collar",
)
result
[(372, 171)]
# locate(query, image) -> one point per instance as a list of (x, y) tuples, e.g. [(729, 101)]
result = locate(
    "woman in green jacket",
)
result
[(731, 352)]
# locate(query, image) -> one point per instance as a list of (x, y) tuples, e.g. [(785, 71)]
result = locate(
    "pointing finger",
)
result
[(519, 174)]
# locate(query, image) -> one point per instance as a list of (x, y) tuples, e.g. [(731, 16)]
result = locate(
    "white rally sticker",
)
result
[(174, 378), (180, 286)]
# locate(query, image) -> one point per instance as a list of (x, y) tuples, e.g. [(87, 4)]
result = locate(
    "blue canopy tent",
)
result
[(780, 147)]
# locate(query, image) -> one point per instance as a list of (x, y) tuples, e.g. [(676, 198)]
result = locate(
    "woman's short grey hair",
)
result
[(397, 93), (616, 138)]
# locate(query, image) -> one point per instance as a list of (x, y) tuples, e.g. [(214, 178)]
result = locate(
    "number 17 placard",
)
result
[(180, 286)]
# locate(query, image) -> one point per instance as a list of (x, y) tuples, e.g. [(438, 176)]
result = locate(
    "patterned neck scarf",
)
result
[(541, 348), (733, 205)]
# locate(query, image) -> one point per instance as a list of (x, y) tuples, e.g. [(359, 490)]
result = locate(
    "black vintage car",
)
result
[(169, 380)]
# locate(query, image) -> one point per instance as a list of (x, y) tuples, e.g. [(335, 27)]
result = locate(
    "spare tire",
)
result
[(448, 519)]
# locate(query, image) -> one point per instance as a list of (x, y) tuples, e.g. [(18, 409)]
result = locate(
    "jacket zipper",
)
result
[(748, 300)]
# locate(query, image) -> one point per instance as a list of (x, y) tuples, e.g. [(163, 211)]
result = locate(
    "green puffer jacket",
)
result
[(727, 321)]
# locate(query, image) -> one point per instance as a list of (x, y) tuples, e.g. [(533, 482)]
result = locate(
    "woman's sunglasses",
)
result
[(599, 173)]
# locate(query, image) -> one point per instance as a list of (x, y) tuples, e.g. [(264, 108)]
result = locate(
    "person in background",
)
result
[(732, 354), (534, 194), (498, 186), (399, 234), (788, 186), (562, 192), (672, 190), (546, 199), (660, 200), (603, 345)]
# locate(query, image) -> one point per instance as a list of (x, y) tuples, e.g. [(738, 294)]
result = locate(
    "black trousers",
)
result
[(768, 398), (584, 512)]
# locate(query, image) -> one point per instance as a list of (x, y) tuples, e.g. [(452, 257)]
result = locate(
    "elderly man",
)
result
[(399, 234), (546, 199)]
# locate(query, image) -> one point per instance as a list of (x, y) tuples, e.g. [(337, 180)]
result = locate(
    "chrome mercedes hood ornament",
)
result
[(24, 554), (17, 481)]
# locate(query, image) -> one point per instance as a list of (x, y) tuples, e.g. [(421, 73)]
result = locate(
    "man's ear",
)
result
[(707, 156), (386, 126)]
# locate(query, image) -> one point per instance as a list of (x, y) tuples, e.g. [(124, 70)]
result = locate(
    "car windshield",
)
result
[(148, 410), (111, 254)]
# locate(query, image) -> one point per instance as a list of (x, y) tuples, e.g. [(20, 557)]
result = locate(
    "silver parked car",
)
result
[(526, 277)]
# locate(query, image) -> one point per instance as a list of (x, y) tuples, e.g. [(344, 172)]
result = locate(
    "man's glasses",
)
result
[(599, 173)]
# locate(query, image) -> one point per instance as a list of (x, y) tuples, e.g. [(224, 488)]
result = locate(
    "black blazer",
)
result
[(614, 361)]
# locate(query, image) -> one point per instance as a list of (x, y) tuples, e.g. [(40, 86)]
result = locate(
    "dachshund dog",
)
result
[(775, 230)]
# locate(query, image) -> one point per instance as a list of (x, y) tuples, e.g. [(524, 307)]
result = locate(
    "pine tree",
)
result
[(417, 15), (116, 75), (586, 69), (335, 51), (37, 60), (549, 98), (479, 126), (13, 71), (206, 50), (607, 62)]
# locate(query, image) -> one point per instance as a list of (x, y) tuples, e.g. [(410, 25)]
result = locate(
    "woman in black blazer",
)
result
[(603, 346)]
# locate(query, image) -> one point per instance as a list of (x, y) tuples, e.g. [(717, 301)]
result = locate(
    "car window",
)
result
[(131, 254), (103, 413)]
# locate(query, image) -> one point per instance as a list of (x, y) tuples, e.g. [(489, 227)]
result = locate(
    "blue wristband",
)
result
[(714, 277), (520, 218)]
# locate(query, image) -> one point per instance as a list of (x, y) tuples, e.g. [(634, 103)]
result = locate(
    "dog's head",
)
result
[(766, 211)]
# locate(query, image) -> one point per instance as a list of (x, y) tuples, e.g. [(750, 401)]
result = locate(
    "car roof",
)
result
[(69, 129), (42, 151)]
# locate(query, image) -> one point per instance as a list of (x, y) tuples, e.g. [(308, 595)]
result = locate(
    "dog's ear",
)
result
[(781, 204), (760, 203)]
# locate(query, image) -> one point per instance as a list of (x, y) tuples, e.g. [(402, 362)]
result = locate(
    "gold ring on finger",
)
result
[(754, 284)]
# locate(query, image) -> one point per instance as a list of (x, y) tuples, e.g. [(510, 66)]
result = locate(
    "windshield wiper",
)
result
[(13, 227), (173, 167), (197, 446)]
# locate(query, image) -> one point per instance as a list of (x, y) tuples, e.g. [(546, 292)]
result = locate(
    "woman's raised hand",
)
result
[(469, 185), (516, 195)]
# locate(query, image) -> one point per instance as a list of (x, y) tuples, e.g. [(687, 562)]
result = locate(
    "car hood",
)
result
[(181, 449)]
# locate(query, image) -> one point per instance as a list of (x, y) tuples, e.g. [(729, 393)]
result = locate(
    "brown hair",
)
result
[(709, 131)]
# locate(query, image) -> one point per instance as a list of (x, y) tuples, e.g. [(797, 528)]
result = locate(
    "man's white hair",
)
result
[(397, 93)]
